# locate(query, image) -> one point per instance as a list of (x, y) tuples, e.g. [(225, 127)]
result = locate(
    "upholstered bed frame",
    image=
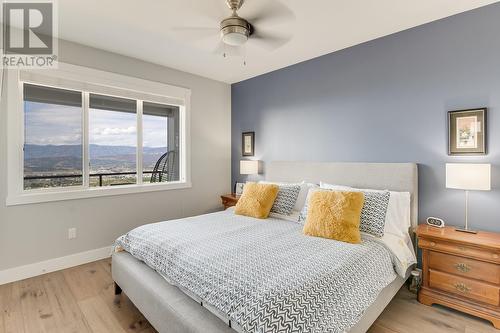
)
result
[(169, 309)]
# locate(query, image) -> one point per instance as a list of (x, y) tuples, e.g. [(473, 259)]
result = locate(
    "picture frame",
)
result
[(467, 132), (248, 143), (238, 188)]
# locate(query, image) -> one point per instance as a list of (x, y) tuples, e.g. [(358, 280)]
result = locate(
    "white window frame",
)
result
[(88, 81)]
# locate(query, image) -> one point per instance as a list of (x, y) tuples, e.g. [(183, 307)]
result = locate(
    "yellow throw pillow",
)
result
[(335, 215), (257, 200)]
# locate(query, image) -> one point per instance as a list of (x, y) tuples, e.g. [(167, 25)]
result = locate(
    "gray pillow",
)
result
[(286, 198), (373, 212)]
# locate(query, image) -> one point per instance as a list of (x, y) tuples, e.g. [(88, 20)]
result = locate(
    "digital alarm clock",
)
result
[(435, 222)]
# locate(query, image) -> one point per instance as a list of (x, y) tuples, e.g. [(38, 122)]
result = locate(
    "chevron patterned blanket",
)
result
[(265, 275)]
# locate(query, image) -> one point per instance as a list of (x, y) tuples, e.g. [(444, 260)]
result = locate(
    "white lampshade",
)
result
[(468, 176), (248, 167)]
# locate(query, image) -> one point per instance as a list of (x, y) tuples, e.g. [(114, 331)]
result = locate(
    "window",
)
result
[(53, 148), (160, 142), (112, 141), (53, 154), (87, 137)]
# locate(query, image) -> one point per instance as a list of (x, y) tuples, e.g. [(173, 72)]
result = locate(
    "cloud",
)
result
[(114, 131), (58, 140), (112, 128), (52, 124), (62, 125)]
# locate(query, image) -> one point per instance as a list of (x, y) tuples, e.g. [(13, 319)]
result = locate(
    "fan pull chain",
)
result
[(243, 54)]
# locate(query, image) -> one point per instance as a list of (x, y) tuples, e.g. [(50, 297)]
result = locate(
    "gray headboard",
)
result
[(402, 177)]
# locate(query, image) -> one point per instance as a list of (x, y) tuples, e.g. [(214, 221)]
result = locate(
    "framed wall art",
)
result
[(467, 132), (248, 143)]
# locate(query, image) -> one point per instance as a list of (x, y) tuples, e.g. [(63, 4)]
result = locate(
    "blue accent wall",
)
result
[(385, 101)]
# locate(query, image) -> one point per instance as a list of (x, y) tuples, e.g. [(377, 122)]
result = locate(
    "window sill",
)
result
[(39, 196)]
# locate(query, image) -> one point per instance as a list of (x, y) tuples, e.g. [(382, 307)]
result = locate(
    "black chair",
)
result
[(166, 168)]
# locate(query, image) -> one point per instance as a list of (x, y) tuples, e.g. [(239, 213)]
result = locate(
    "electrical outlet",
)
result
[(71, 233)]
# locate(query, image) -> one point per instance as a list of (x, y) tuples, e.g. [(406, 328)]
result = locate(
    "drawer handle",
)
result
[(433, 244), (462, 287), (462, 267), (461, 248), (495, 256)]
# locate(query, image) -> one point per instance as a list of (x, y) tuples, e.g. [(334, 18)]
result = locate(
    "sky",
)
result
[(61, 125)]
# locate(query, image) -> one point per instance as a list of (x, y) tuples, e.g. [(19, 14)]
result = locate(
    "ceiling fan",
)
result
[(235, 31)]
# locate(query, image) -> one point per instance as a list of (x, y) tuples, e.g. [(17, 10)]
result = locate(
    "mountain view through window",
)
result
[(53, 150)]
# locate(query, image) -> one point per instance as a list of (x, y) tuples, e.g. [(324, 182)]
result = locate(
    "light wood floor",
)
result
[(80, 299)]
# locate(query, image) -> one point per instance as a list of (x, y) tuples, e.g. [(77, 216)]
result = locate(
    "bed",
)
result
[(201, 290)]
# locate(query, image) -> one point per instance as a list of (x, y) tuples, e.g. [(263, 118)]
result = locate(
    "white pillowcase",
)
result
[(304, 190), (397, 218)]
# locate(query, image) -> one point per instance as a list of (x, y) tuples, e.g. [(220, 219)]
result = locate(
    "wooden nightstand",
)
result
[(229, 200), (461, 271)]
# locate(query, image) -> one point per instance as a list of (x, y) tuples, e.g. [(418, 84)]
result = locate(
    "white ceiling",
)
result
[(146, 29)]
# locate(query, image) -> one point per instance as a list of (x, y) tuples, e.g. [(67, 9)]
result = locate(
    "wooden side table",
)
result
[(229, 200), (461, 271)]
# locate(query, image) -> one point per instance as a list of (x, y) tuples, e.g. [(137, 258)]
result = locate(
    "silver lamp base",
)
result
[(465, 229)]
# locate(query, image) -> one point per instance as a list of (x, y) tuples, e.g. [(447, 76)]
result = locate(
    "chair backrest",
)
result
[(165, 168)]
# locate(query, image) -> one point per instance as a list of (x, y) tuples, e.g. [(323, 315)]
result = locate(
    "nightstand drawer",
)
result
[(469, 268), (462, 250), (464, 287)]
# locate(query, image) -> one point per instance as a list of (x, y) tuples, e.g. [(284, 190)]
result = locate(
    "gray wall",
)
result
[(36, 232), (385, 101)]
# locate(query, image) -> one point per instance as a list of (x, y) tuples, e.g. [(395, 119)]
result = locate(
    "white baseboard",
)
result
[(52, 265)]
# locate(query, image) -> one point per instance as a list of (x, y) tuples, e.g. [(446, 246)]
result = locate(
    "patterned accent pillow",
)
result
[(374, 211), (285, 201)]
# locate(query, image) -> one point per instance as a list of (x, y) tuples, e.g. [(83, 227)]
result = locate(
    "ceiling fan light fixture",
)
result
[(235, 31), (234, 38)]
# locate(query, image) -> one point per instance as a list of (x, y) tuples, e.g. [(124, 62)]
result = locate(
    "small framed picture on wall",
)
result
[(248, 143), (467, 132)]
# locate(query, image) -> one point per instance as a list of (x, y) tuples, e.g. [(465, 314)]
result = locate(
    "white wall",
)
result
[(36, 232)]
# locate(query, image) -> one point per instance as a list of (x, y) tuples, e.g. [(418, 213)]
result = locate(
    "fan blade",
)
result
[(195, 33), (215, 10), (269, 41), (273, 12)]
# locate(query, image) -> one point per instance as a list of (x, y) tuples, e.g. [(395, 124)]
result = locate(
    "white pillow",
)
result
[(397, 217), (304, 190), (397, 220)]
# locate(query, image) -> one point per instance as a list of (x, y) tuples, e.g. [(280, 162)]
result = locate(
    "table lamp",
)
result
[(249, 167), (468, 177)]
